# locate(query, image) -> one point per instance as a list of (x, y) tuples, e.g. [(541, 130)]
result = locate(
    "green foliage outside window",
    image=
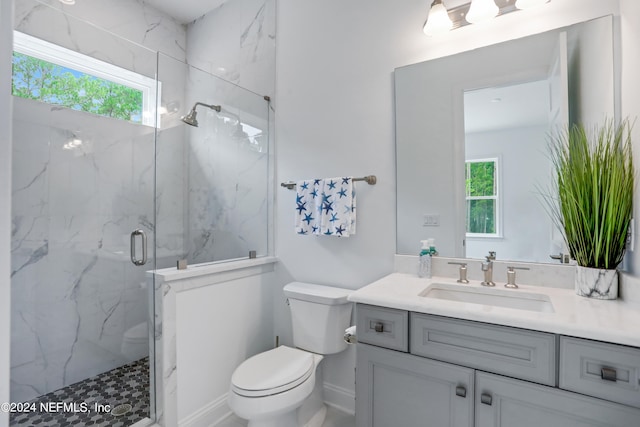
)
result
[(481, 191), (44, 81)]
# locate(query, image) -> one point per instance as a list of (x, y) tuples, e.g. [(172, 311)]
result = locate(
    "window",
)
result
[(481, 179), (53, 74)]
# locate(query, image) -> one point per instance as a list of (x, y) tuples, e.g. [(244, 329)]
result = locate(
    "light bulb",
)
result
[(481, 10), (438, 21), (527, 4)]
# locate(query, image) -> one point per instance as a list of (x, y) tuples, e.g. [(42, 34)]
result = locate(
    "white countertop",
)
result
[(614, 321)]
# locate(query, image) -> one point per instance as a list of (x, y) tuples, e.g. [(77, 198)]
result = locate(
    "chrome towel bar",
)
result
[(369, 179)]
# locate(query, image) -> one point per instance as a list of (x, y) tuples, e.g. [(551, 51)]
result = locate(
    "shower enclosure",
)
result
[(102, 197), (83, 191)]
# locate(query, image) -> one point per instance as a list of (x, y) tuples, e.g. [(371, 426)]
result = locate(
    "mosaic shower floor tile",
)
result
[(117, 398)]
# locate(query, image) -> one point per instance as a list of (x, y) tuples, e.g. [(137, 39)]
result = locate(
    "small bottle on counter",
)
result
[(432, 247), (424, 264)]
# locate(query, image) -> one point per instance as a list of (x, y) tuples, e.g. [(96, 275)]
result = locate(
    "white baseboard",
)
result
[(340, 398), (209, 415), (218, 410)]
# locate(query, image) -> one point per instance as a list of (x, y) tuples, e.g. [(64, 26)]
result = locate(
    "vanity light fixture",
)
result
[(482, 10), (438, 21), (442, 18), (527, 4), (68, 2)]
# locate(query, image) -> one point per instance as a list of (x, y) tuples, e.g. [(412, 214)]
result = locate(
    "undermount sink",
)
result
[(507, 298)]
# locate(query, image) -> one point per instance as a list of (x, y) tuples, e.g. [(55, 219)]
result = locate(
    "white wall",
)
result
[(217, 328), (334, 95), (6, 48), (523, 170)]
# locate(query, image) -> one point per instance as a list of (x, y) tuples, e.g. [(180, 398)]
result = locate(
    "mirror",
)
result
[(472, 132)]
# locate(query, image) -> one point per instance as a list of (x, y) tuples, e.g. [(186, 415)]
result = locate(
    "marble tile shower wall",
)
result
[(228, 179), (74, 290), (135, 21), (69, 243), (228, 172), (237, 42)]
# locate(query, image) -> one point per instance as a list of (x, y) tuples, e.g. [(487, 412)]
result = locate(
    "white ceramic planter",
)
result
[(596, 283)]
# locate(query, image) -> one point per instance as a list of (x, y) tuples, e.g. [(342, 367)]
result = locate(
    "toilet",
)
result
[(135, 342), (280, 388)]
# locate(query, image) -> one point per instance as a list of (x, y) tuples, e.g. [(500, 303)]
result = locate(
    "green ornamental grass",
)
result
[(595, 187)]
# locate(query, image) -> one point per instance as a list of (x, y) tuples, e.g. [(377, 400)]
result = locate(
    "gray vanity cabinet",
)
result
[(502, 401), (397, 389), (452, 372)]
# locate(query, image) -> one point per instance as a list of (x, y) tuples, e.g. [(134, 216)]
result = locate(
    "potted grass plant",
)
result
[(593, 201)]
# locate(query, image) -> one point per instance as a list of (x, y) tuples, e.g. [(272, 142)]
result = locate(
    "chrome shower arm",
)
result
[(213, 107)]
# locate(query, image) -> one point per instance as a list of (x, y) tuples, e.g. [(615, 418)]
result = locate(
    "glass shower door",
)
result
[(82, 212)]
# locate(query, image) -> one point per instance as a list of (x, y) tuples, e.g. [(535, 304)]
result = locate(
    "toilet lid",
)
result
[(272, 372)]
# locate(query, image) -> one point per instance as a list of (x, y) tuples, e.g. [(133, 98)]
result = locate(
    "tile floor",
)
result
[(335, 418), (128, 384)]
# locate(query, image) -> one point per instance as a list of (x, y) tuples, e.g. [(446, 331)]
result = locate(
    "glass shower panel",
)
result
[(82, 183), (213, 178)]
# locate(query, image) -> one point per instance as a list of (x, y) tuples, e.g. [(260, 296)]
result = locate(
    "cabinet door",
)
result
[(398, 389), (507, 402)]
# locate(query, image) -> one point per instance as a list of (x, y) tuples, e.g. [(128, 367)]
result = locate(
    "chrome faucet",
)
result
[(487, 268), (511, 276)]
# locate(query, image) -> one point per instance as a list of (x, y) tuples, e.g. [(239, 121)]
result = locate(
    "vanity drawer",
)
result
[(513, 352), (608, 371), (384, 327)]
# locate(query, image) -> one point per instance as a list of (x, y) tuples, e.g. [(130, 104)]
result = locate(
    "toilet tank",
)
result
[(319, 316)]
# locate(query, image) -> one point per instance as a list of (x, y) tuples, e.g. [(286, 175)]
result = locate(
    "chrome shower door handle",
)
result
[(134, 258)]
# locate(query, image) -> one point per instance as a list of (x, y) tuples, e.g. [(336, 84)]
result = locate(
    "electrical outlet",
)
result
[(431, 220)]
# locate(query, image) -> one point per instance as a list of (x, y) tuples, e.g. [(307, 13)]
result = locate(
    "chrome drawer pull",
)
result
[(461, 391), (378, 327), (486, 398), (608, 374)]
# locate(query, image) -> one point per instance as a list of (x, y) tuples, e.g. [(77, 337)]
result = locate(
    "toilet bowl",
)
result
[(280, 387), (135, 342), (268, 388)]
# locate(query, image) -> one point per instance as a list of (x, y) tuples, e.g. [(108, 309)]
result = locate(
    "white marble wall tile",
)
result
[(236, 42), (132, 20), (75, 292), (227, 173)]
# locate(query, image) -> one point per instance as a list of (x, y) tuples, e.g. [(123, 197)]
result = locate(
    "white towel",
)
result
[(308, 206), (326, 207)]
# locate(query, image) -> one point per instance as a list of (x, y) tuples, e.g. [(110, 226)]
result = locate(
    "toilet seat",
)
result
[(137, 334), (272, 372)]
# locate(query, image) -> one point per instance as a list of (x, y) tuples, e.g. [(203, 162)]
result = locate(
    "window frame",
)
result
[(50, 52), (496, 197)]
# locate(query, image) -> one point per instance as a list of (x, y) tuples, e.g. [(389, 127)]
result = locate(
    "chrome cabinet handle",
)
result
[(461, 391), (378, 327), (608, 374), (134, 258), (486, 399)]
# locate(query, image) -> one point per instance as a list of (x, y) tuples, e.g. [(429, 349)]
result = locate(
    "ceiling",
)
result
[(519, 105), (185, 11)]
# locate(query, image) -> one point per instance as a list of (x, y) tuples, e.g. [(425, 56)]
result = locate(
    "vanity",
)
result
[(435, 352)]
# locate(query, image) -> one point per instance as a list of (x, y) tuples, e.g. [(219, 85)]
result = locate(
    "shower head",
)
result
[(190, 118)]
